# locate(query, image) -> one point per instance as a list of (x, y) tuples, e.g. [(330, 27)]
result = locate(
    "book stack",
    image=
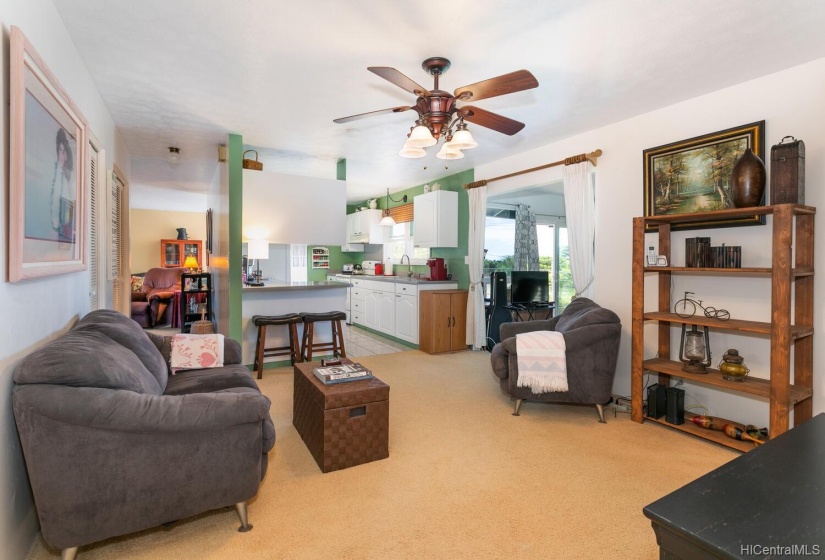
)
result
[(341, 373)]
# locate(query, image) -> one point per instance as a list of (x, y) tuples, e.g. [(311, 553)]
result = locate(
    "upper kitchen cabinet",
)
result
[(362, 227), (436, 219)]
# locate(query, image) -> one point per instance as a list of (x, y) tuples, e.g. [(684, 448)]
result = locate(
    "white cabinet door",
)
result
[(386, 313), (435, 216), (351, 229), (406, 318), (371, 309)]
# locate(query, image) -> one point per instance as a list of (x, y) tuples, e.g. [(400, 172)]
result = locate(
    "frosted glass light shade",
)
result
[(387, 220), (257, 249), (411, 151), (421, 137), (448, 151), (463, 140)]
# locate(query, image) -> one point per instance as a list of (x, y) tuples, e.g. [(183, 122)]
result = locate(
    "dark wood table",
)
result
[(768, 503)]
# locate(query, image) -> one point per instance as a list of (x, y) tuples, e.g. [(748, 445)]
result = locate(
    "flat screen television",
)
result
[(529, 286)]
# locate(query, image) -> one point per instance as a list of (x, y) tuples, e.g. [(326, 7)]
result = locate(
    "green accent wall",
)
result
[(341, 170), (235, 150)]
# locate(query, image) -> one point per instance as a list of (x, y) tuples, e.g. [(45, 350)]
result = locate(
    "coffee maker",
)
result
[(437, 269)]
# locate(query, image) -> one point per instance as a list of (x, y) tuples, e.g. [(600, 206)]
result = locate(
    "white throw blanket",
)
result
[(542, 364)]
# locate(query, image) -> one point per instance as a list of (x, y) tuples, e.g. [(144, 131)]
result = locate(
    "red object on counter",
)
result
[(437, 269), (379, 269)]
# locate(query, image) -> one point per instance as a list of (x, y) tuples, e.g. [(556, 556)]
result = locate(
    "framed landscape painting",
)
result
[(47, 170), (693, 175)]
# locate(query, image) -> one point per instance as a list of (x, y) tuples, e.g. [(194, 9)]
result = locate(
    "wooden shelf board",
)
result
[(796, 272), (722, 214), (710, 435), (751, 385), (759, 327)]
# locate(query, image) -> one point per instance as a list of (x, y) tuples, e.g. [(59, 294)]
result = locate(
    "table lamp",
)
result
[(190, 263), (257, 249)]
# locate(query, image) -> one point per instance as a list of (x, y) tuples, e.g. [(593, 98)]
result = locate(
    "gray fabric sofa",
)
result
[(113, 444), (591, 335)]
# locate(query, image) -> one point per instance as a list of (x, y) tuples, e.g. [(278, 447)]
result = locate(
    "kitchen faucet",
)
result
[(409, 266)]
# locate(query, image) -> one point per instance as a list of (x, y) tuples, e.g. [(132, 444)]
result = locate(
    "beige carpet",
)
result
[(465, 479)]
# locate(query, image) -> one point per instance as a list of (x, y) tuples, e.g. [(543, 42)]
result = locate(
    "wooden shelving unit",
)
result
[(791, 276)]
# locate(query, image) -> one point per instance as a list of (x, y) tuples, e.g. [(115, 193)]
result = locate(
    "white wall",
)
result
[(36, 311), (791, 104), (292, 209)]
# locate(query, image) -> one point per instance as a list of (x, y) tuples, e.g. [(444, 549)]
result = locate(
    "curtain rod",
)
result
[(591, 157)]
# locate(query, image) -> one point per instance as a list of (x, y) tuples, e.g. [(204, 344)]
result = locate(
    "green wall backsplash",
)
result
[(337, 259), (453, 257)]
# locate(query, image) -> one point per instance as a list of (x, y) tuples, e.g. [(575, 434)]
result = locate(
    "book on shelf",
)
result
[(341, 373)]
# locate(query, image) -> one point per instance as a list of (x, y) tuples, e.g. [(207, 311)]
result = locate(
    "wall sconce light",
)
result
[(386, 219)]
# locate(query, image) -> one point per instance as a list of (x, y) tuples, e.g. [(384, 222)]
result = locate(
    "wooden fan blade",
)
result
[(490, 120), (399, 79), (372, 113), (502, 85)]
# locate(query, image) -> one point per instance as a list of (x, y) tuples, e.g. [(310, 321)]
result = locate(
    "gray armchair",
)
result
[(591, 335), (114, 445)]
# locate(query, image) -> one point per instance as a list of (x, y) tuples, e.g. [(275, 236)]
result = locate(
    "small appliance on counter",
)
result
[(347, 269), (437, 269), (368, 267), (379, 269)]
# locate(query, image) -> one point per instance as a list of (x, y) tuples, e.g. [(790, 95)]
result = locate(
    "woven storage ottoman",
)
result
[(344, 424)]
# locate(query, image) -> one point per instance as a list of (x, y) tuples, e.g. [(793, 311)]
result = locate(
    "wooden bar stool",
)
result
[(308, 345), (261, 351)]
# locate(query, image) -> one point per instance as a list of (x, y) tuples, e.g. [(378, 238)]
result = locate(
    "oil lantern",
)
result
[(694, 349), (732, 366)]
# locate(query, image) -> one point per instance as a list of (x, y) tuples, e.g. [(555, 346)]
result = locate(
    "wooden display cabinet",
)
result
[(173, 252), (442, 321), (792, 281)]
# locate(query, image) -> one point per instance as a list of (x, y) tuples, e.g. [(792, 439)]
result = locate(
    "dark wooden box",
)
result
[(788, 172), (344, 424)]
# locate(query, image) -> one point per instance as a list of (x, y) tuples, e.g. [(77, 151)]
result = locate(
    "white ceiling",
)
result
[(186, 73)]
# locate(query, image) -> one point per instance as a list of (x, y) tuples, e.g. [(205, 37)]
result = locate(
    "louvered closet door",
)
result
[(95, 241)]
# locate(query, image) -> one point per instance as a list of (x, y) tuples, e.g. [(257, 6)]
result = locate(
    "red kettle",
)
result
[(379, 269)]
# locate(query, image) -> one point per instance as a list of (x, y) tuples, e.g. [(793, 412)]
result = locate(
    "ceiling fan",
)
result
[(438, 114)]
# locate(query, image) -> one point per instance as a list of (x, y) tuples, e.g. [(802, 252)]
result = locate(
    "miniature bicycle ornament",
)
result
[(686, 307)]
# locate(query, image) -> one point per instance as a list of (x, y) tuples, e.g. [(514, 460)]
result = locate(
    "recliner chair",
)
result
[(591, 335), (159, 287)]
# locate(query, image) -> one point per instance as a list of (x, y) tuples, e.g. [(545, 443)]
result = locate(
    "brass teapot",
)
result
[(732, 366)]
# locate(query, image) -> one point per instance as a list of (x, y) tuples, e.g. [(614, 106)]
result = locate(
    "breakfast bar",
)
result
[(281, 298)]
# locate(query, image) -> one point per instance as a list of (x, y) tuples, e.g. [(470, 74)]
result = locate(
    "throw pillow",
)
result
[(196, 351), (137, 283)]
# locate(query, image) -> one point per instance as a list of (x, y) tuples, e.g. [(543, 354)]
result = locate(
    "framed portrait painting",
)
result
[(694, 175), (47, 170)]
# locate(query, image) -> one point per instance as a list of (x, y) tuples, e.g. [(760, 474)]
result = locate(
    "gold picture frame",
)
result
[(693, 175), (47, 170)]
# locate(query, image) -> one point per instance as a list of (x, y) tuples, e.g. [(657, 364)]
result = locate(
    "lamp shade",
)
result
[(412, 151), (421, 137), (448, 151), (190, 262), (463, 140), (257, 249), (387, 220)]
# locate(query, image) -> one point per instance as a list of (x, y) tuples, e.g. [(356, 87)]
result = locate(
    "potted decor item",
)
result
[(373, 204), (747, 180)]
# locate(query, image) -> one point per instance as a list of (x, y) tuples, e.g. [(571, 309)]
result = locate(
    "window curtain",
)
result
[(580, 207), (527, 245), (476, 327)]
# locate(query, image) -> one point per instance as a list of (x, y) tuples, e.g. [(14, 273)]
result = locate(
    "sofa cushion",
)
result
[(582, 312), (210, 380), (86, 358), (131, 336)]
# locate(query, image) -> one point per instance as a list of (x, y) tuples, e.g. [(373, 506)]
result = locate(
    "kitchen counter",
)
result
[(290, 286), (398, 279)]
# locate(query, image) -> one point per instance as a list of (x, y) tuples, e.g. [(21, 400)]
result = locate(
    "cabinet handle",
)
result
[(453, 321), (448, 322)]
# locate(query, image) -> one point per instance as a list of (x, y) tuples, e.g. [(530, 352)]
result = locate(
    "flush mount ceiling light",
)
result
[(438, 115), (174, 155), (386, 219)]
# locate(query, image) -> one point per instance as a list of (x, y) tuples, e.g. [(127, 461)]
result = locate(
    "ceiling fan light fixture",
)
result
[(412, 152), (174, 155), (421, 137), (448, 151), (462, 139)]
